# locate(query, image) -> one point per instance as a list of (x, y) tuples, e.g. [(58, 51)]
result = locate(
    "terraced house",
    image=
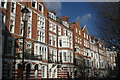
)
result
[(53, 47)]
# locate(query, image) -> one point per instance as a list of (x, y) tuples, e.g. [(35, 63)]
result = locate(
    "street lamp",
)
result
[(25, 13)]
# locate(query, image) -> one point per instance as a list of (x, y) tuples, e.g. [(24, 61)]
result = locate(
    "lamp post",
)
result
[(25, 13)]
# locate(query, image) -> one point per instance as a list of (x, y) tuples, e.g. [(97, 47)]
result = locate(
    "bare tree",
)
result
[(108, 24)]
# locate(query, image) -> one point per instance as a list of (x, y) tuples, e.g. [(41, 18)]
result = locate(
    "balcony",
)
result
[(30, 56)]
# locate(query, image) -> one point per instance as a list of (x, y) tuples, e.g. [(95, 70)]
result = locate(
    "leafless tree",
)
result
[(108, 24)]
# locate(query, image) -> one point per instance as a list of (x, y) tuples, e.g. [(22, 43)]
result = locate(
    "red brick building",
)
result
[(54, 48)]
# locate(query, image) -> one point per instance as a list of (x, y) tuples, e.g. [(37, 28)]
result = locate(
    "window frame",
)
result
[(42, 7), (5, 4), (12, 25), (13, 7), (35, 4)]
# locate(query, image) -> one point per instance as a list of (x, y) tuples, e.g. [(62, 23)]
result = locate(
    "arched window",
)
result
[(36, 70), (36, 67)]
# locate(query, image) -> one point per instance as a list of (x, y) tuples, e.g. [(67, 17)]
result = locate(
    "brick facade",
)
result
[(54, 48)]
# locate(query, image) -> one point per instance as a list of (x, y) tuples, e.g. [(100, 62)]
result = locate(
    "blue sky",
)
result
[(82, 11)]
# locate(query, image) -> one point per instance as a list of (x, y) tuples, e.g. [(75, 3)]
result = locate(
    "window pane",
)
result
[(33, 4), (40, 8), (2, 4)]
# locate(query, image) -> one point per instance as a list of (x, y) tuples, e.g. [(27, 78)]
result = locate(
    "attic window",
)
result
[(40, 7), (33, 4)]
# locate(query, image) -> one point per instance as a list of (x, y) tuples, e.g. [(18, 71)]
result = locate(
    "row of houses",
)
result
[(54, 48)]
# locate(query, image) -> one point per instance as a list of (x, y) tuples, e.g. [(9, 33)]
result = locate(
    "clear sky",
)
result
[(82, 11)]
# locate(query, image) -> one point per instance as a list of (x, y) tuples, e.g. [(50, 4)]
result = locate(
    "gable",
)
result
[(85, 29)]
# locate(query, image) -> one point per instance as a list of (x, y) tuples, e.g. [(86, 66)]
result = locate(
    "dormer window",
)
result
[(52, 16), (33, 4), (40, 7)]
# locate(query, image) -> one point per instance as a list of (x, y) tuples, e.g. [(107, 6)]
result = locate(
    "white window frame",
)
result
[(64, 32), (41, 21), (42, 36), (65, 56), (84, 35), (42, 10), (53, 52), (13, 7), (5, 4), (35, 4), (51, 26), (54, 27), (59, 30), (52, 37)]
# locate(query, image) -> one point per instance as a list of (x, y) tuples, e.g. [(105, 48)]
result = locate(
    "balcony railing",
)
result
[(30, 56)]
